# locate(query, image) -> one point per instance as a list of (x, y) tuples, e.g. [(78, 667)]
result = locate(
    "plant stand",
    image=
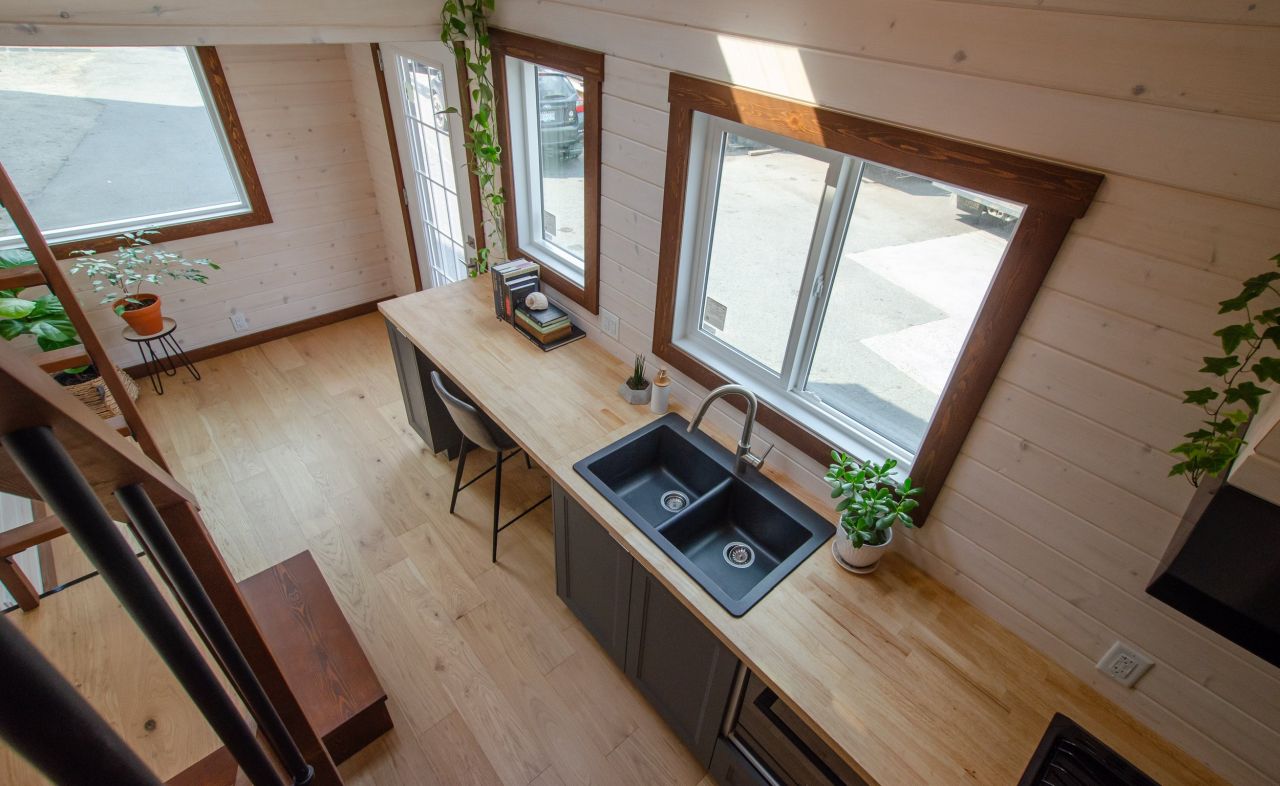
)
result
[(153, 361)]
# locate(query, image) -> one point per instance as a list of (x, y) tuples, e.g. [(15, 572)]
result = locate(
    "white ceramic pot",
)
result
[(636, 396), (859, 560)]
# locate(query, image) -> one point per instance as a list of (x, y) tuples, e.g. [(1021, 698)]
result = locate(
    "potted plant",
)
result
[(46, 319), (636, 390), (135, 263), (870, 504)]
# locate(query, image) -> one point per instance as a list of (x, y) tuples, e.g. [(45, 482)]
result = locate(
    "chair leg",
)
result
[(497, 504), (457, 478)]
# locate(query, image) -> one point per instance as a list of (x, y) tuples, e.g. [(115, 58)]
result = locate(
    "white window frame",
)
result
[(168, 218), (525, 160), (783, 392)]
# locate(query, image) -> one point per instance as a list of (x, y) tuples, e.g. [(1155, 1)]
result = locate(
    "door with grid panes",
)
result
[(421, 84)]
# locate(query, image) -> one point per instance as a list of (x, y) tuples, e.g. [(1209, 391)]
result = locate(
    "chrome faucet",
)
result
[(743, 455)]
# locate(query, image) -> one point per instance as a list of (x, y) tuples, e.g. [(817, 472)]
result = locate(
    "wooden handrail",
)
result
[(56, 279), (32, 398)]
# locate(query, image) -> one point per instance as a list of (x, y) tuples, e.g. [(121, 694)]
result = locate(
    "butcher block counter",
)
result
[(906, 680)]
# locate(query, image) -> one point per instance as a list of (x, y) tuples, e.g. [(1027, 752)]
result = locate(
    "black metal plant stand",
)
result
[(167, 359)]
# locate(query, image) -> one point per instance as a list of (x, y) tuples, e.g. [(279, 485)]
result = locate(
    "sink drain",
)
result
[(739, 555), (675, 501)]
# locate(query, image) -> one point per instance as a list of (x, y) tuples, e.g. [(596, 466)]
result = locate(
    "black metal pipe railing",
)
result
[(151, 528), (45, 463), (48, 723)]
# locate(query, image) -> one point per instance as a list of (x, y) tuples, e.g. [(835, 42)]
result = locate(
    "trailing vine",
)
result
[(1211, 450), (465, 26)]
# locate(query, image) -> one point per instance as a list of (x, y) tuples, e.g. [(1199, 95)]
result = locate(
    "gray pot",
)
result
[(636, 396)]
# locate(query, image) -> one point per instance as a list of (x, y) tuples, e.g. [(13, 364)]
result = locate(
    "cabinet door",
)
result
[(593, 574), (415, 406), (680, 666)]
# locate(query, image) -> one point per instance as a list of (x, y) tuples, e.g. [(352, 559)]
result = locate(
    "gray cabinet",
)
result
[(593, 574), (680, 666), (676, 662), (423, 408)]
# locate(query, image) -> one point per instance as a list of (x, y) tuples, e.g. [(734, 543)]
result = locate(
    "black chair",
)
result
[(479, 430)]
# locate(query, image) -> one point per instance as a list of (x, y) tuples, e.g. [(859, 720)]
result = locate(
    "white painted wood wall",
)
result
[(1059, 507), (324, 249)]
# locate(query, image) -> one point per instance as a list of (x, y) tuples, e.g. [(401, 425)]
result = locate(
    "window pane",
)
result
[(116, 135), (765, 214), (560, 136), (918, 257)]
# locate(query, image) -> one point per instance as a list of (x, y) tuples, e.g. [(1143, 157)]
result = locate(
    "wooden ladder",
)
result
[(47, 272)]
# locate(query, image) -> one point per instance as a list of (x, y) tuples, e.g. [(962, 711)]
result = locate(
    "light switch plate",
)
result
[(239, 321), (1124, 664), (609, 323)]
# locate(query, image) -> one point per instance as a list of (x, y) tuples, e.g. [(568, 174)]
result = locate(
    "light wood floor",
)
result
[(302, 444)]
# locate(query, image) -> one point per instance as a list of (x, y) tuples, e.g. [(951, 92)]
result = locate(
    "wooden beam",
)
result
[(18, 585), (21, 277), (56, 360), (19, 539)]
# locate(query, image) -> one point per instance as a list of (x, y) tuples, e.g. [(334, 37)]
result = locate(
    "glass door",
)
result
[(422, 83)]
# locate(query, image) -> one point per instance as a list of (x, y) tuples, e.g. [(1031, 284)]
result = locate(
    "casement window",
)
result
[(549, 106), (105, 140), (865, 281)]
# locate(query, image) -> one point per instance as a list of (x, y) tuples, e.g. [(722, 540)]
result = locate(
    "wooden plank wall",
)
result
[(364, 81), (1059, 507), (324, 249)]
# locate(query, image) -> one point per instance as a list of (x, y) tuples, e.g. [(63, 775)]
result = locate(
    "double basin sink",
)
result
[(736, 534)]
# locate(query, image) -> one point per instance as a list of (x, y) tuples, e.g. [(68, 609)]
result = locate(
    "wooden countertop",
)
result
[(907, 680)]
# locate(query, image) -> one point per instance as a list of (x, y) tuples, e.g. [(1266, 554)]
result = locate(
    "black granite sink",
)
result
[(737, 535)]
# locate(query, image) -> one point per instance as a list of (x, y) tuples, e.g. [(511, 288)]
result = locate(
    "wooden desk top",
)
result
[(907, 680)]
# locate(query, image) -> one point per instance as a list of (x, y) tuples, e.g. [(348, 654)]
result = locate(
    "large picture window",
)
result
[(549, 100), (104, 140), (865, 281)]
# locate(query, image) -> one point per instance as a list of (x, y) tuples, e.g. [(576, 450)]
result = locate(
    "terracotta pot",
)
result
[(146, 320), (863, 559)]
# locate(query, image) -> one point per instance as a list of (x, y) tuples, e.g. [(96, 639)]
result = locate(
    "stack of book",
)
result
[(546, 326), (512, 283)]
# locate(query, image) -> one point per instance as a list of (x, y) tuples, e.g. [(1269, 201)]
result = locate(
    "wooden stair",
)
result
[(47, 272)]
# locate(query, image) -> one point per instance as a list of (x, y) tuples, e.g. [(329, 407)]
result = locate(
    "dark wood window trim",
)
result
[(590, 66), (1054, 194), (388, 120), (239, 145)]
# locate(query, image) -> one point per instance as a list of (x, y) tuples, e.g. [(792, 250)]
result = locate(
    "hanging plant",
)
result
[(1234, 397), (466, 28)]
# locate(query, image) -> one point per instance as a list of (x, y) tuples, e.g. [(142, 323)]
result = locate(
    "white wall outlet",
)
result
[(609, 323), (1124, 664), (239, 321)]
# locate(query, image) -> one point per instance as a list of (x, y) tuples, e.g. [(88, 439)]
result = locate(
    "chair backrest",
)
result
[(465, 416)]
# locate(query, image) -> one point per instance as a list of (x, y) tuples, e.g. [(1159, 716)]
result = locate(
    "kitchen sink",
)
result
[(737, 535)]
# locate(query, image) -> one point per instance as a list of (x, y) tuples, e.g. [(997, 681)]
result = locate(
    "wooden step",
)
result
[(323, 661), (19, 539), (21, 277), (56, 360)]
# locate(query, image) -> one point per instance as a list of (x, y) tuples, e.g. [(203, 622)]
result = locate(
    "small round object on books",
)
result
[(536, 301)]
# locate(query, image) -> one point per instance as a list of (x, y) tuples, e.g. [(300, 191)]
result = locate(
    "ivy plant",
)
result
[(870, 502), (44, 317), (465, 27), (1235, 394)]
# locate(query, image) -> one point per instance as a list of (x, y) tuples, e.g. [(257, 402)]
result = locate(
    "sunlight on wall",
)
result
[(771, 68)]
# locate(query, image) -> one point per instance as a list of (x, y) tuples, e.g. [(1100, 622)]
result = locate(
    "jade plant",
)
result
[(637, 381), (1233, 397), (870, 501), (465, 28), (136, 262)]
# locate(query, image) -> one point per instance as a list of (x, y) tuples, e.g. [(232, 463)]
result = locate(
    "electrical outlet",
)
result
[(609, 323), (1124, 664), (239, 321)]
